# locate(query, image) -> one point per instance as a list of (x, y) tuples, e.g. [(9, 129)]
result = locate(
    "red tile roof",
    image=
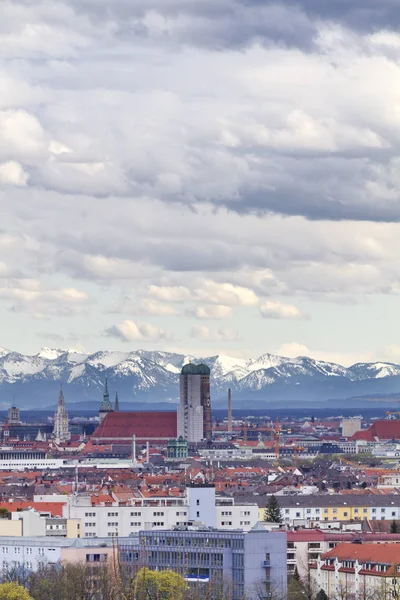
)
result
[(383, 430), (374, 553), (151, 425), (54, 508)]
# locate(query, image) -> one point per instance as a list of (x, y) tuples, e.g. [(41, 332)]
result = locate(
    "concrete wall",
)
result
[(201, 502), (269, 548), (350, 426), (11, 528)]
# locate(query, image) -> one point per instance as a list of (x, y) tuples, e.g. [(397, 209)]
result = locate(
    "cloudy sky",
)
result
[(201, 176)]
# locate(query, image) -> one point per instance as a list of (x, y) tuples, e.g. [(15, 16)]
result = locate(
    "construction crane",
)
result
[(389, 413)]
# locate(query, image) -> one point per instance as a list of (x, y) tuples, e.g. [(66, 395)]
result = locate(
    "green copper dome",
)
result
[(191, 369)]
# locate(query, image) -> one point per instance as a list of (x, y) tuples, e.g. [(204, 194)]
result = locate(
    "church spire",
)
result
[(106, 395), (61, 400), (116, 405), (61, 432)]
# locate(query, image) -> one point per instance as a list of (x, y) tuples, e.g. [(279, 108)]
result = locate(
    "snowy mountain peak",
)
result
[(153, 376), (49, 353)]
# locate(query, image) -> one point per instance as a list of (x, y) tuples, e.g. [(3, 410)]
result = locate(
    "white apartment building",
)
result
[(199, 505), (358, 571), (31, 552)]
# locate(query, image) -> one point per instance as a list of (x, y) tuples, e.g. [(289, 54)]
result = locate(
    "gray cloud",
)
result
[(238, 23), (163, 144)]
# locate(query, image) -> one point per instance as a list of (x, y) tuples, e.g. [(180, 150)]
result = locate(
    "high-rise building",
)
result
[(105, 406), (14, 415), (61, 429), (194, 410)]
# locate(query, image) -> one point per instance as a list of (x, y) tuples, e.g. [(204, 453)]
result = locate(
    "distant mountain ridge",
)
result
[(153, 377)]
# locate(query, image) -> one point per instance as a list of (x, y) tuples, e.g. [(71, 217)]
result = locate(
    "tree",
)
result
[(13, 591), (321, 595), (273, 511), (394, 527), (158, 585), (3, 513)]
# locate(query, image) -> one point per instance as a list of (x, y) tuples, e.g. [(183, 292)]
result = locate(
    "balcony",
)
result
[(266, 564)]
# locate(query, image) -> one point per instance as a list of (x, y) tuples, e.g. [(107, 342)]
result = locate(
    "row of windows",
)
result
[(16, 563), (335, 511), (213, 542), (17, 550)]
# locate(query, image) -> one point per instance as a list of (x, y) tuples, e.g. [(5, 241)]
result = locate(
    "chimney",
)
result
[(229, 410)]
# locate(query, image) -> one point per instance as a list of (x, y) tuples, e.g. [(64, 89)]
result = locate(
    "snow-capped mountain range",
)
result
[(152, 377)]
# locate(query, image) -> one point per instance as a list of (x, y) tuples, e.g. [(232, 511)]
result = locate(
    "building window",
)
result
[(198, 502)]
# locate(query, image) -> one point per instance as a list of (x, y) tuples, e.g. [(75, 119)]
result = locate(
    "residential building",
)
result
[(194, 410), (31, 552), (106, 518), (306, 546), (312, 511), (251, 563), (359, 571)]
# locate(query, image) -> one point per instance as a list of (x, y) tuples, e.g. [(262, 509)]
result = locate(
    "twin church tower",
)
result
[(193, 420)]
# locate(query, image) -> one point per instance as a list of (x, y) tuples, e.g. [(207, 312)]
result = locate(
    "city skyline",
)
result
[(172, 180)]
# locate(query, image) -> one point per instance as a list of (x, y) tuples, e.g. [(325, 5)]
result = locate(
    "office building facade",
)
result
[(250, 564)]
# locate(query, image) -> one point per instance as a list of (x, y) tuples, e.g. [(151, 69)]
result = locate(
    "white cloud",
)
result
[(168, 187), (226, 293), (218, 311), (152, 307), (277, 310), (41, 302), (169, 293), (21, 135), (222, 334), (130, 331), (12, 173)]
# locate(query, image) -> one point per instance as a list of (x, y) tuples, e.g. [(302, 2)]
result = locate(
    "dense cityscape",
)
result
[(199, 290), (301, 507)]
